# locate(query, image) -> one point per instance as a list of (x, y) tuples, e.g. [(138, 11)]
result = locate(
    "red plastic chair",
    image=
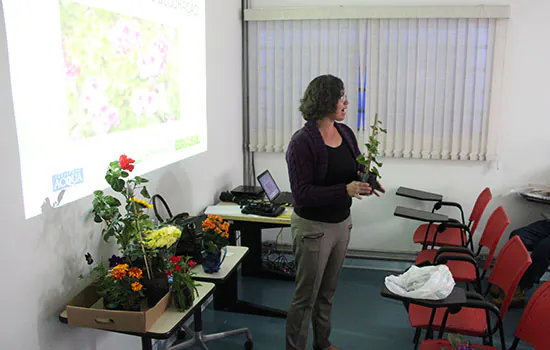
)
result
[(474, 317), (462, 261), (427, 234), (533, 327)]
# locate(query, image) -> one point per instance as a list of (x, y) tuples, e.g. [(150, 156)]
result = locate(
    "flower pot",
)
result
[(109, 305), (211, 262), (183, 297), (370, 178), (156, 288)]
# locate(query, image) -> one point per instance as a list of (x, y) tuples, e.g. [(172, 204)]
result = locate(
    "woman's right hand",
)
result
[(358, 188)]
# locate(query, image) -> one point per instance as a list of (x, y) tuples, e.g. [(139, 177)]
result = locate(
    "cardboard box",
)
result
[(86, 310)]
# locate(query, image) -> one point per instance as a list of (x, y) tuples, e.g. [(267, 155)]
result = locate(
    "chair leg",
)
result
[(417, 334), (226, 334)]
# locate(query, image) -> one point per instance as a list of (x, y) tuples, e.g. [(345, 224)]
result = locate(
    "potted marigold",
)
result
[(215, 237), (184, 288), (121, 286)]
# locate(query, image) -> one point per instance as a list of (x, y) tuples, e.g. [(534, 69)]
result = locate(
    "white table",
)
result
[(171, 320), (226, 297)]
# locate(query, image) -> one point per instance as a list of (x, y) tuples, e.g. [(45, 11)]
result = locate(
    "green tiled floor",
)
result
[(362, 319)]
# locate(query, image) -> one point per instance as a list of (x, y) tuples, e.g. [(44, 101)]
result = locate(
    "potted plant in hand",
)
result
[(215, 237), (184, 288), (371, 171)]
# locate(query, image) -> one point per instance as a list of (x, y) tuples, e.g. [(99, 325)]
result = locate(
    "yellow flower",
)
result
[(119, 271), (136, 286), (135, 272), (163, 237), (142, 202)]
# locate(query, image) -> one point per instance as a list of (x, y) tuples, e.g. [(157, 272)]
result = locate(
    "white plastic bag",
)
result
[(428, 282)]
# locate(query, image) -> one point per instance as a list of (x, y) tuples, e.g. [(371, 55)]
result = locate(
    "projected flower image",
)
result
[(121, 72)]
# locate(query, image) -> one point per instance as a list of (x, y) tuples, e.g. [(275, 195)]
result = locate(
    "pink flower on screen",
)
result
[(124, 36), (153, 61), (144, 102), (92, 96), (105, 119), (71, 70)]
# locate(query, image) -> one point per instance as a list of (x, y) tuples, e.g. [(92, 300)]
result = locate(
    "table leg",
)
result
[(226, 299), (251, 237), (146, 343)]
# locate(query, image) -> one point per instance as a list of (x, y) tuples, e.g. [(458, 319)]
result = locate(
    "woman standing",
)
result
[(323, 179)]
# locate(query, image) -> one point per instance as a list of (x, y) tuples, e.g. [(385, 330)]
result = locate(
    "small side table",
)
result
[(226, 297), (170, 321)]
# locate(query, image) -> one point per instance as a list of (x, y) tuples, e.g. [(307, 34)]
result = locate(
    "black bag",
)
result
[(190, 242)]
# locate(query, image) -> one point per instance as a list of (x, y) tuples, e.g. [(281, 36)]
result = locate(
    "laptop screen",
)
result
[(268, 184)]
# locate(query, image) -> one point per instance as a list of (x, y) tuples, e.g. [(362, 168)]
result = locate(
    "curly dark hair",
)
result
[(321, 97)]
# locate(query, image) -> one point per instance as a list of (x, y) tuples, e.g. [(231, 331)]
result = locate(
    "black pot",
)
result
[(156, 288), (370, 178), (183, 299)]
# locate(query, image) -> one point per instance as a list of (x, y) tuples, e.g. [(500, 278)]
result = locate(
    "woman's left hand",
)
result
[(379, 188)]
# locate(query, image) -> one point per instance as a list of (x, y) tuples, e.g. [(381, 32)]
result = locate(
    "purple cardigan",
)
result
[(307, 161)]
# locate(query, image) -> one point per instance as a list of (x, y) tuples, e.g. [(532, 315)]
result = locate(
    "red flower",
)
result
[(191, 263), (177, 267), (175, 259), (169, 273), (126, 163)]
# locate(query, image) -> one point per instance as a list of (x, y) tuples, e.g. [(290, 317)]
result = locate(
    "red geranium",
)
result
[(177, 267), (126, 163), (191, 263), (175, 259)]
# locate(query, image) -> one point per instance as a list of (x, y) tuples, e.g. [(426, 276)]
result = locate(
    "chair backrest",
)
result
[(497, 223), (479, 207), (534, 325), (512, 261)]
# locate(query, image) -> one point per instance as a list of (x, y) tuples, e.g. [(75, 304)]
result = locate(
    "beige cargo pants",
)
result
[(319, 249)]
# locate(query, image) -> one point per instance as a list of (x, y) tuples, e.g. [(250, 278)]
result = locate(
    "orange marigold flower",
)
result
[(119, 271), (135, 272), (136, 286)]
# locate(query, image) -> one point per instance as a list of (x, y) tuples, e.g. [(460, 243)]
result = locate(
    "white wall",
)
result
[(524, 137), (41, 258)]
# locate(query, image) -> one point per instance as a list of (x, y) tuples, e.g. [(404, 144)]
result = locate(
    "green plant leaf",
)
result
[(144, 193), (124, 174), (112, 201), (118, 185), (140, 180)]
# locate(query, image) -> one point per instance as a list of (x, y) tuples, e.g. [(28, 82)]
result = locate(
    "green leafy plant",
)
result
[(125, 225), (372, 165), (121, 286), (184, 287), (215, 233)]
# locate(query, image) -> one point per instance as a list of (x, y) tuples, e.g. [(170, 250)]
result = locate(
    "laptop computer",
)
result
[(272, 191)]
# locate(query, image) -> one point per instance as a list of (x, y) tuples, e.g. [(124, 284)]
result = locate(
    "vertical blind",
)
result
[(429, 79)]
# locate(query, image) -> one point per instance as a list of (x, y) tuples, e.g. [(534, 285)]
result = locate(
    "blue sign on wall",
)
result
[(67, 179)]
